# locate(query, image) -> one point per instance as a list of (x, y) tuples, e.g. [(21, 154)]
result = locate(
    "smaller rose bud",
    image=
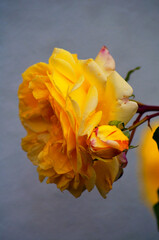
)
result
[(107, 141)]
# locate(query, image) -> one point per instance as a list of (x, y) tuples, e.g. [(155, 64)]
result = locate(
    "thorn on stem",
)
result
[(149, 125)]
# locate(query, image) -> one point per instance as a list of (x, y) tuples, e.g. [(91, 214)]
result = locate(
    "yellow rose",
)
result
[(60, 105), (149, 165)]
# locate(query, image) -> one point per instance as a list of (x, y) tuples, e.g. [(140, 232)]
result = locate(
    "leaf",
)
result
[(156, 210), (132, 147), (116, 123), (156, 136), (130, 72), (127, 133)]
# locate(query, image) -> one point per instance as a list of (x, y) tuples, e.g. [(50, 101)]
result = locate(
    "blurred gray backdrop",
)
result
[(29, 30)]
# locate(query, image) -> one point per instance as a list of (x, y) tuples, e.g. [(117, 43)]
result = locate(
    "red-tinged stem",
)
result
[(142, 108)]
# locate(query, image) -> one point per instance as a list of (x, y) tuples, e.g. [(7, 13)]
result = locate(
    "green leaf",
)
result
[(132, 147), (130, 72), (116, 123), (156, 210), (127, 133), (132, 96), (156, 136)]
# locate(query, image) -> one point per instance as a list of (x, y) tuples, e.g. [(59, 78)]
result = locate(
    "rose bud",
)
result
[(107, 141)]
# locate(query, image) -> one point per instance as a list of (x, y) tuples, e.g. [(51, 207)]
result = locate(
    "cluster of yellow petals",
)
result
[(60, 105), (149, 165)]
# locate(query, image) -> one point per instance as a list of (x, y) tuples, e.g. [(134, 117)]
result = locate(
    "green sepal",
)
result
[(130, 72), (127, 133), (156, 136), (132, 96), (116, 123), (156, 210)]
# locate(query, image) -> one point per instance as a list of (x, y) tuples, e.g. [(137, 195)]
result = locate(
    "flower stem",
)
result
[(134, 130), (147, 118), (142, 108)]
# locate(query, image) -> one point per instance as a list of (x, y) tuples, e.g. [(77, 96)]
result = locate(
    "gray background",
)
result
[(30, 30)]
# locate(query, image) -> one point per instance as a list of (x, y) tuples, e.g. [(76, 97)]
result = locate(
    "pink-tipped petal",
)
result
[(105, 60)]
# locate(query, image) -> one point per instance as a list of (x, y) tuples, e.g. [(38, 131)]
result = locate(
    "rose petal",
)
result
[(105, 60), (105, 175)]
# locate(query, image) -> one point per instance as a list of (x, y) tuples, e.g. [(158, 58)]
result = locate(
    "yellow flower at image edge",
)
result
[(149, 165), (62, 105)]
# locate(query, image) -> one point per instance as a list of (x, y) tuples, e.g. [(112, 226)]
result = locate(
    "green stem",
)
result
[(147, 118), (134, 130)]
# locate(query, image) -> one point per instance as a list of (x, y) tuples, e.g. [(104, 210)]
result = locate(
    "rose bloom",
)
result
[(65, 107), (149, 165)]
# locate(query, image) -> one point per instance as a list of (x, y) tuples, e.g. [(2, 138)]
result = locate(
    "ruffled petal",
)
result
[(105, 175), (90, 124), (64, 68), (94, 74), (116, 104), (39, 69), (62, 54), (89, 106), (59, 159)]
